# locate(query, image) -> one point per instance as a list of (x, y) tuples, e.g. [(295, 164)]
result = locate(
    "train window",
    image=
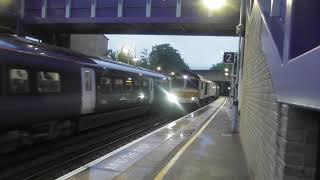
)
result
[(192, 83), (19, 81), (206, 89), (117, 85), (137, 85), (145, 85), (105, 85), (48, 82), (178, 83), (202, 85), (129, 85), (88, 80)]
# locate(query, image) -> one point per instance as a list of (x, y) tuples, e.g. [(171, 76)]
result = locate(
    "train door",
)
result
[(151, 90), (88, 90)]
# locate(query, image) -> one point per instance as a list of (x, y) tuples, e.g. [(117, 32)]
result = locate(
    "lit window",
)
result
[(105, 84), (48, 82), (19, 81), (88, 80)]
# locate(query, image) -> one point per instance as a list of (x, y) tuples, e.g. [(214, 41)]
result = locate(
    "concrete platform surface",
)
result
[(214, 153)]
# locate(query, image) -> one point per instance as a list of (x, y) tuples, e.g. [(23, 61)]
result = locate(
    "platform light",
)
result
[(172, 73), (43, 53), (135, 59), (226, 74), (36, 48), (226, 70), (125, 49), (229, 88), (30, 46), (158, 68), (4, 3), (193, 98), (185, 77), (214, 4)]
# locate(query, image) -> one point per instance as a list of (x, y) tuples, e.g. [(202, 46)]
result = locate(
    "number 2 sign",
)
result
[(229, 57)]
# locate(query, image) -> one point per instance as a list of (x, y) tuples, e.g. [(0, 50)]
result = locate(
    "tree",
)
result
[(221, 67), (125, 58), (168, 58), (217, 67), (111, 54), (144, 59)]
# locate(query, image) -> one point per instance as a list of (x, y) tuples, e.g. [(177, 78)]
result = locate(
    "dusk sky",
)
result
[(199, 52)]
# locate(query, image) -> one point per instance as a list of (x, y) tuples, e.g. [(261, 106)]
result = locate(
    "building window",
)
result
[(19, 81), (48, 82)]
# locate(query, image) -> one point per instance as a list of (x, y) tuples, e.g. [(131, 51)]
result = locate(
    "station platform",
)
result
[(197, 146)]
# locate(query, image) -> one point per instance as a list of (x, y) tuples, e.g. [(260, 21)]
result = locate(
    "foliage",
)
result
[(221, 67), (111, 54), (217, 67), (125, 58), (168, 58), (164, 55), (144, 59)]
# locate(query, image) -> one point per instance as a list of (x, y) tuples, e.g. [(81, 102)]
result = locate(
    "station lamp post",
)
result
[(214, 4), (135, 61), (125, 49)]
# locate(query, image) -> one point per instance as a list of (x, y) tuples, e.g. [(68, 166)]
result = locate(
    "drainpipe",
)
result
[(236, 94)]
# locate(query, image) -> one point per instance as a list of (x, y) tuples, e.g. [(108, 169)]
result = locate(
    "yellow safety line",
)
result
[(165, 170)]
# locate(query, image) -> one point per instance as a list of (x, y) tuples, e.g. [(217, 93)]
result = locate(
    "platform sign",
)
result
[(229, 57)]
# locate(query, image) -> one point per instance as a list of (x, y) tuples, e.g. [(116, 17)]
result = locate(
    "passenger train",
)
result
[(187, 87), (46, 91)]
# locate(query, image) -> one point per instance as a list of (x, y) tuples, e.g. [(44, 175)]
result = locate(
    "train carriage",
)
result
[(47, 91)]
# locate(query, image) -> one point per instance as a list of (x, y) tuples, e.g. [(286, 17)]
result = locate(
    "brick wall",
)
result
[(279, 140), (297, 142)]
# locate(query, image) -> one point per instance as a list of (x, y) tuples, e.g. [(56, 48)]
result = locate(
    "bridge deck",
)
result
[(131, 17)]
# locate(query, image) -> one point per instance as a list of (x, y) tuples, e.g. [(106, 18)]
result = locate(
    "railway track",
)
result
[(55, 158)]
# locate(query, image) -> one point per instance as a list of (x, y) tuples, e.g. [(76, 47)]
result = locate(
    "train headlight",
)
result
[(141, 96), (172, 98)]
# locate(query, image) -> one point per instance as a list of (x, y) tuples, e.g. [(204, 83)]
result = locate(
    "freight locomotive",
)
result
[(189, 88), (46, 91)]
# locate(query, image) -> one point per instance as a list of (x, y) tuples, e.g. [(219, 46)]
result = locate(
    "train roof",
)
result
[(27, 46), (123, 67), (190, 73)]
